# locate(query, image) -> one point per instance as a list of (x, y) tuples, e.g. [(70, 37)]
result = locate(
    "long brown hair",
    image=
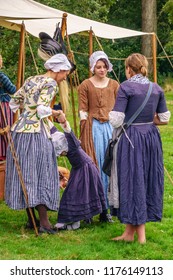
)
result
[(138, 63)]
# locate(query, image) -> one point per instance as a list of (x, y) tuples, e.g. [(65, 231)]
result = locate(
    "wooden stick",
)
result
[(168, 175)]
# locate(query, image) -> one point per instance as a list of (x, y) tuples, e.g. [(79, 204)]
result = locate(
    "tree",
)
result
[(149, 24)]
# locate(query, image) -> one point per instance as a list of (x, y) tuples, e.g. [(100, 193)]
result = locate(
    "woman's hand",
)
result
[(59, 116)]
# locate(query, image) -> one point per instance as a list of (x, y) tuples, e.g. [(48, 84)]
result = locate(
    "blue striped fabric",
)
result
[(6, 87), (39, 169)]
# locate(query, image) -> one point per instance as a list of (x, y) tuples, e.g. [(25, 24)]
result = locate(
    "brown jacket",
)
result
[(98, 102)]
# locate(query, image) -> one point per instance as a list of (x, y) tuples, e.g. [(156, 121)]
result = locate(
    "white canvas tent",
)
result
[(38, 17)]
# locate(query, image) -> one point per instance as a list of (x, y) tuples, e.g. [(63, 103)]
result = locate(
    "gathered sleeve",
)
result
[(162, 107), (121, 100), (83, 100), (162, 110), (17, 99), (8, 86), (47, 92)]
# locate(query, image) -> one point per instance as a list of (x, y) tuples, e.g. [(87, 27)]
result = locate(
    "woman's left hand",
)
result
[(59, 116)]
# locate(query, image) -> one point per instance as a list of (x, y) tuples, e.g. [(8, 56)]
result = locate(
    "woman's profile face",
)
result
[(100, 69), (61, 76)]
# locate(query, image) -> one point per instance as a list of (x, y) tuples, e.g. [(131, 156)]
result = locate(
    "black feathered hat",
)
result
[(51, 46)]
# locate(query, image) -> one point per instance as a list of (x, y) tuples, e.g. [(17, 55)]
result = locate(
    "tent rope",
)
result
[(164, 51), (123, 58), (75, 77), (168, 175), (27, 38), (109, 58)]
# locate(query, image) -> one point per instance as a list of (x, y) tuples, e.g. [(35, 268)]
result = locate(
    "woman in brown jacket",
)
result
[(96, 99)]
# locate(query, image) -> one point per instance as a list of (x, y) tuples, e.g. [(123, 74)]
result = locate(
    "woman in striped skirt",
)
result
[(6, 88), (33, 143)]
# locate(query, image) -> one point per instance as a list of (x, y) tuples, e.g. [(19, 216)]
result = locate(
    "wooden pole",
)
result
[(90, 46), (73, 106), (20, 62), (64, 25), (64, 31), (154, 57), (21, 55)]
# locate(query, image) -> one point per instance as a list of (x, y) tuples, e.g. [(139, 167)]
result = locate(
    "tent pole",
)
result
[(21, 55), (154, 58), (90, 46), (21, 61), (64, 30), (64, 24), (73, 107)]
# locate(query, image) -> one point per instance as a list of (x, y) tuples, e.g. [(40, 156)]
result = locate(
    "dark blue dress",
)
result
[(83, 197), (140, 169)]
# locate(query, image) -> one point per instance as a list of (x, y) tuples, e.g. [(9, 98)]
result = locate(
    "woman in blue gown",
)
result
[(83, 196), (139, 156)]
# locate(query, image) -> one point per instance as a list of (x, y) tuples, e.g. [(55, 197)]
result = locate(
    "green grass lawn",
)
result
[(93, 242)]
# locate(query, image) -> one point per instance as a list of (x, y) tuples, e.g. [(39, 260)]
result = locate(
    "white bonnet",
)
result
[(57, 63), (59, 142), (95, 57)]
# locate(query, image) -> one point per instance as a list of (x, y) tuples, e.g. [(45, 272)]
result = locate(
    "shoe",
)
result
[(73, 226), (47, 230), (106, 218), (31, 226), (109, 218), (64, 227), (88, 221)]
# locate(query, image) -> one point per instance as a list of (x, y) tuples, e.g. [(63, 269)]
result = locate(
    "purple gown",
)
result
[(140, 169), (83, 196)]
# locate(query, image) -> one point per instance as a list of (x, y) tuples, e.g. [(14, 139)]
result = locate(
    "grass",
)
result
[(93, 242)]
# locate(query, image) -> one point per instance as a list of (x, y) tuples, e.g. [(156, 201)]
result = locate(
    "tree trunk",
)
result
[(149, 24)]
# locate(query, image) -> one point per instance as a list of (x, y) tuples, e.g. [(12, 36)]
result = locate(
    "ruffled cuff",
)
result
[(66, 127), (164, 117), (13, 106), (44, 111), (83, 115), (116, 119)]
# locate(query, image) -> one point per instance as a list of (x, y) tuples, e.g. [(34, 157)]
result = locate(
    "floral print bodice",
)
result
[(37, 90)]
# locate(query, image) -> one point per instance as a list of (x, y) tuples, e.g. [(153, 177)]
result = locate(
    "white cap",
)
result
[(59, 142), (95, 57), (57, 63)]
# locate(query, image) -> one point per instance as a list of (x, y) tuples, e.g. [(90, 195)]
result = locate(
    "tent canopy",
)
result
[(38, 18)]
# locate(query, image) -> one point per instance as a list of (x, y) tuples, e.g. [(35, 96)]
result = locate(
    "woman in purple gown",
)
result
[(139, 156), (83, 196)]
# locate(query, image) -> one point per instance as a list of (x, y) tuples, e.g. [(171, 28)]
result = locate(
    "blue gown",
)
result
[(140, 169), (83, 197)]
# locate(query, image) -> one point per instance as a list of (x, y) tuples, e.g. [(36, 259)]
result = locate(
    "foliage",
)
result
[(168, 8), (119, 13), (93, 9)]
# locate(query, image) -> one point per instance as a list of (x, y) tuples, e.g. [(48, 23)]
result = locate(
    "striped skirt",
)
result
[(9, 119), (39, 169)]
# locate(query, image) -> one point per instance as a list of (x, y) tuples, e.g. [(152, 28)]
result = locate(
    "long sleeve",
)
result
[(83, 97), (7, 85)]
